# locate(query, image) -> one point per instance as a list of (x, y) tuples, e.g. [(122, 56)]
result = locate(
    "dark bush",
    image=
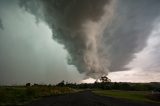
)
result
[(28, 84)]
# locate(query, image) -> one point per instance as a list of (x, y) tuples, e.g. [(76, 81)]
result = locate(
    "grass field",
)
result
[(19, 95), (141, 96)]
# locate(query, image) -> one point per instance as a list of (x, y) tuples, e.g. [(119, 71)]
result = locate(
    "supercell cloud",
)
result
[(99, 35), (1, 25)]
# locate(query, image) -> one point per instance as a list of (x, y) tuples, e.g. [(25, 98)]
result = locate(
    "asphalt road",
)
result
[(85, 98)]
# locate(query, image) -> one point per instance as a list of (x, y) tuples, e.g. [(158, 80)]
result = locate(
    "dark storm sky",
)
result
[(34, 48)]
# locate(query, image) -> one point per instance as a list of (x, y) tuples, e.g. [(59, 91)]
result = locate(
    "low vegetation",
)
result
[(141, 96), (18, 95)]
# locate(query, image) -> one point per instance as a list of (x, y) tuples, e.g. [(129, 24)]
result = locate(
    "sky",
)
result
[(49, 41)]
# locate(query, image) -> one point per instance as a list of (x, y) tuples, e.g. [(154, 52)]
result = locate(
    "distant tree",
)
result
[(49, 85), (28, 84), (125, 86), (115, 85), (105, 79), (35, 84), (61, 83)]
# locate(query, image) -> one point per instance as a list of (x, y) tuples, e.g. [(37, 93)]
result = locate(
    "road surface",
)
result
[(85, 98)]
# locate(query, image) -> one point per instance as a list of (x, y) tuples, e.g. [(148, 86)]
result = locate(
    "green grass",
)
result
[(141, 96), (22, 95)]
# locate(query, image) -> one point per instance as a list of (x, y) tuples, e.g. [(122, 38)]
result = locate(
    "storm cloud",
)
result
[(79, 26), (1, 25), (27, 51), (100, 35), (130, 30)]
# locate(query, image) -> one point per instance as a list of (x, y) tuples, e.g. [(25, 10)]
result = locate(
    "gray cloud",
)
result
[(27, 51), (1, 24), (79, 26), (148, 59), (33, 7), (130, 29), (98, 37)]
